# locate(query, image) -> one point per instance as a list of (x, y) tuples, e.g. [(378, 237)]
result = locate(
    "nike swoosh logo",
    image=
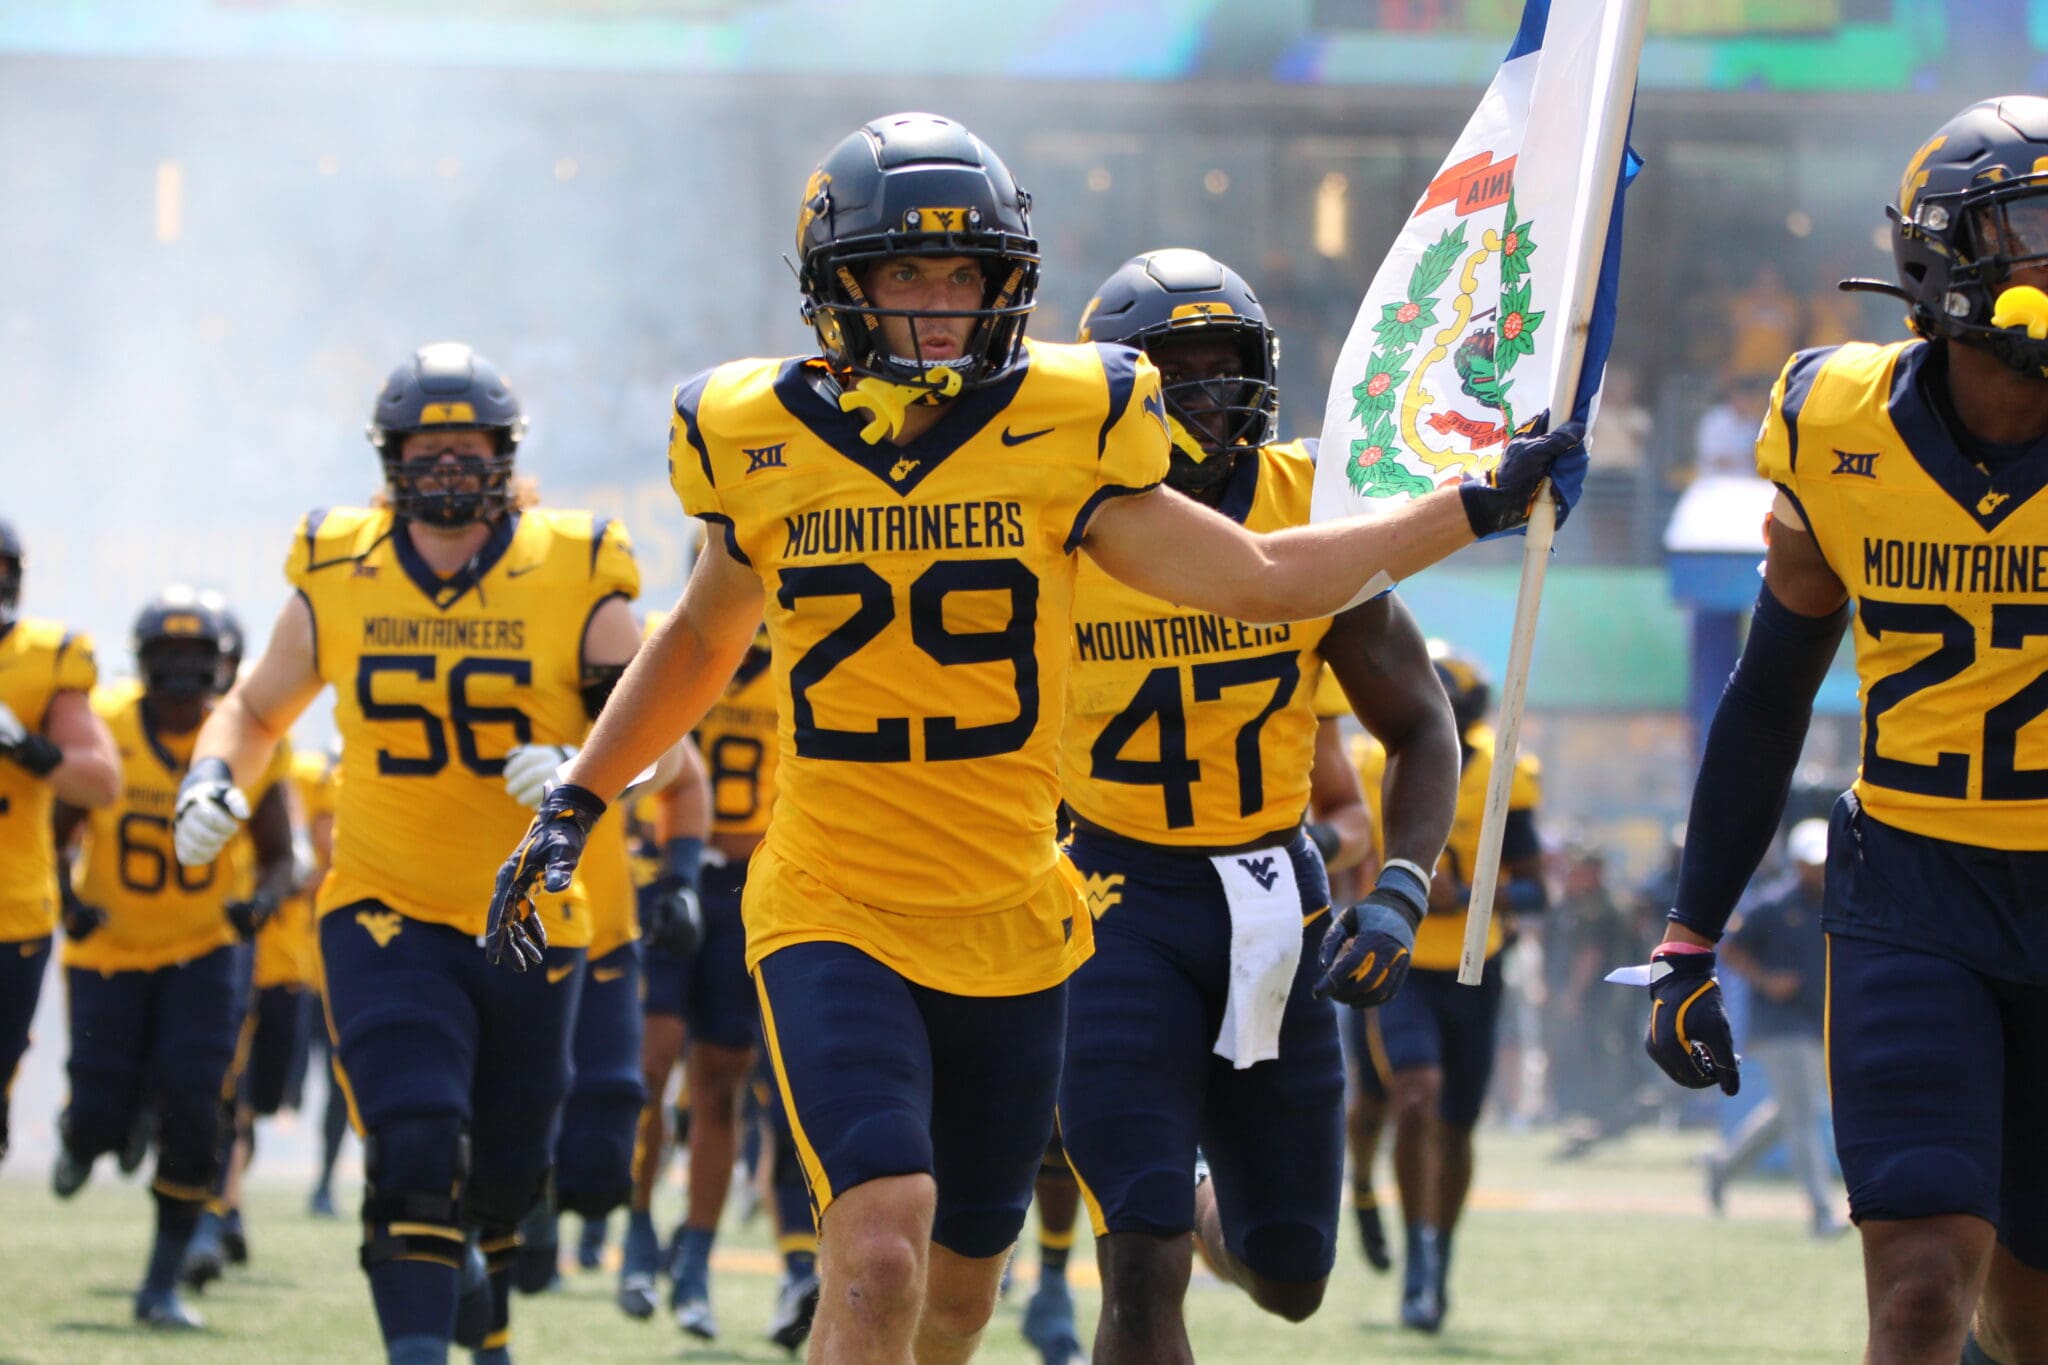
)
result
[(607, 973), (1018, 438), (557, 975), (521, 570)]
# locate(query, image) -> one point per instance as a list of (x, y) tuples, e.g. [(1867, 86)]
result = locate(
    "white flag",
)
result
[(1466, 331)]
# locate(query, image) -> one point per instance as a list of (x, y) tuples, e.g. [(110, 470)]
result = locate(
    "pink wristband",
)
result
[(1667, 949)]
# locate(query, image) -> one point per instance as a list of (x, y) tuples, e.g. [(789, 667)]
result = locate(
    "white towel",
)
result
[(1265, 950)]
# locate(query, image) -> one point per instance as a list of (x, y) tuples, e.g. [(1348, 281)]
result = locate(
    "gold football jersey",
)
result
[(606, 874), (434, 681), (1440, 940), (1948, 566), (738, 740), (287, 951), (38, 659), (159, 913), (1185, 728), (919, 605)]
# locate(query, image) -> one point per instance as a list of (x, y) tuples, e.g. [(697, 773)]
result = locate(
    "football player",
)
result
[(1191, 757), (601, 1115), (670, 829), (1909, 482), (905, 505), (52, 747), (154, 992), (1436, 1040), (738, 741), (453, 624)]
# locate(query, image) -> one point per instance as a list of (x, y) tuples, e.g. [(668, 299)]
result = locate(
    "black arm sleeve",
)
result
[(598, 682), (1752, 749)]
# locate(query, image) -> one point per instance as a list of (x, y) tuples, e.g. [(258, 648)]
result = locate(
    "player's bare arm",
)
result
[(1379, 656), (1383, 663), (89, 774), (675, 677), (258, 712), (1167, 544)]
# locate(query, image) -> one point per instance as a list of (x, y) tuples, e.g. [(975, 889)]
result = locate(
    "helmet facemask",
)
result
[(428, 488), (179, 667), (1218, 418), (849, 324)]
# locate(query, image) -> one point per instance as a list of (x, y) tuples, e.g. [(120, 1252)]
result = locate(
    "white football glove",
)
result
[(210, 812), (12, 731), (530, 769)]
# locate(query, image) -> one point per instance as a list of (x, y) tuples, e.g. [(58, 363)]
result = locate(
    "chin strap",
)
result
[(2025, 307), (888, 402), (1184, 440)]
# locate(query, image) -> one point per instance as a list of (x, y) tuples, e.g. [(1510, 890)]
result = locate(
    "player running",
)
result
[(1909, 483), (1428, 1055), (453, 624), (906, 505), (1186, 759), (155, 994), (52, 747)]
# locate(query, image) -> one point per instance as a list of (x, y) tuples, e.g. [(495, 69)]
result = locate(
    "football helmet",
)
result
[(447, 387), (1973, 206), (178, 640), (1465, 683), (1175, 293), (914, 185), (10, 573)]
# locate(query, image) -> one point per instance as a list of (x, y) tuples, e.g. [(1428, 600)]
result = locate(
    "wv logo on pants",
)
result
[(1262, 871)]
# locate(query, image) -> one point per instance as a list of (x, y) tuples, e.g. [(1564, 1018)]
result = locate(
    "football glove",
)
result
[(81, 921), (25, 748), (1502, 500), (1688, 1035), (210, 811), (549, 852), (671, 914), (1366, 949), (530, 768), (247, 916)]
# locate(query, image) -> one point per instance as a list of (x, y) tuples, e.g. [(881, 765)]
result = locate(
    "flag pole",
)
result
[(1622, 40)]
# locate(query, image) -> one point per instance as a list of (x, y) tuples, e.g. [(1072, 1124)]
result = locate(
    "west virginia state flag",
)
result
[(1466, 327)]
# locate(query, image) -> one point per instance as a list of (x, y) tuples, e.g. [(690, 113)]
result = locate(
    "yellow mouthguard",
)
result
[(889, 402)]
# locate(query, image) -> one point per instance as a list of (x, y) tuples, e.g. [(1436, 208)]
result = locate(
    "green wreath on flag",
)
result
[(1483, 361)]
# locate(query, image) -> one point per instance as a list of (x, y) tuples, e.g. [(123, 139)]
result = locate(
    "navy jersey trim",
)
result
[(1120, 368), (313, 520), (597, 533), (314, 618), (688, 395), (1241, 487), (1799, 376), (446, 592), (1914, 412), (583, 639), (801, 389), (1095, 500), (732, 535)]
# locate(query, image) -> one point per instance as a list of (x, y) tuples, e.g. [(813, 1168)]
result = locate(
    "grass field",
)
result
[(1607, 1259)]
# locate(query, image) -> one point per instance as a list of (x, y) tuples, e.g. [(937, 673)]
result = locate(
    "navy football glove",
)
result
[(548, 853), (1502, 500), (1366, 949), (247, 916), (671, 914), (81, 921), (1688, 1035), (25, 748)]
